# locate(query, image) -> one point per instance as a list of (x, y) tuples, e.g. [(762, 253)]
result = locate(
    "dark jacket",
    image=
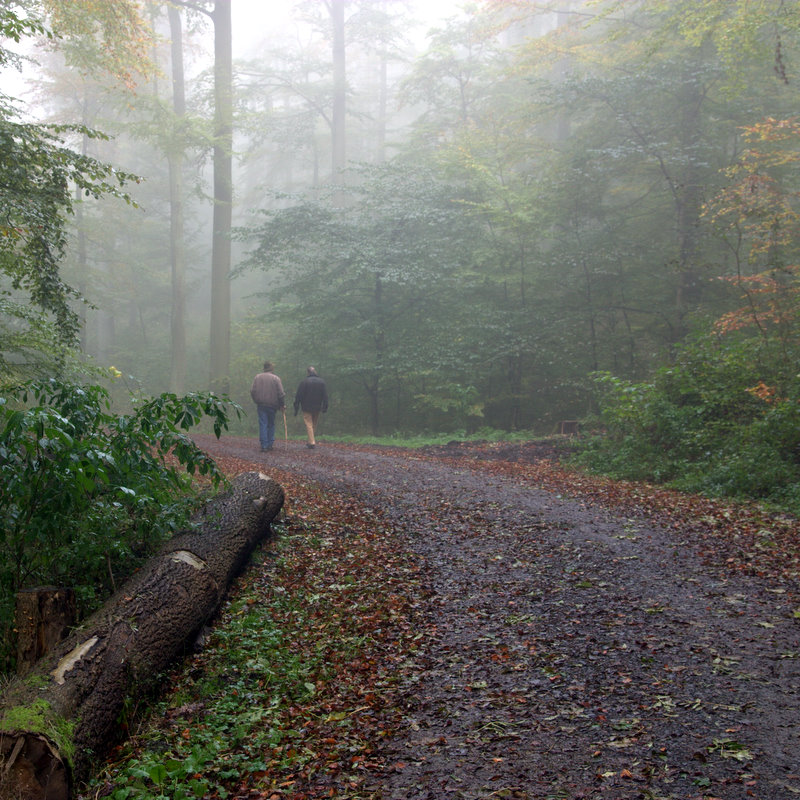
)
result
[(311, 395)]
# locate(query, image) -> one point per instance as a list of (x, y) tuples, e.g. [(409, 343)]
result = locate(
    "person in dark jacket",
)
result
[(312, 398), (268, 395)]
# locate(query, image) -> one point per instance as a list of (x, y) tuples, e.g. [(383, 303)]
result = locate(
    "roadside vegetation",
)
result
[(87, 495), (722, 421), (417, 440)]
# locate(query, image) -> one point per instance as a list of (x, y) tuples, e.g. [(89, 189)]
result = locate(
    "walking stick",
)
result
[(285, 431)]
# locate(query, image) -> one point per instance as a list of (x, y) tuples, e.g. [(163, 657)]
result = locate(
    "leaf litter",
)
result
[(478, 621)]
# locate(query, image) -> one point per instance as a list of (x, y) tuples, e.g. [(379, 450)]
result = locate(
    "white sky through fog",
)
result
[(255, 21)]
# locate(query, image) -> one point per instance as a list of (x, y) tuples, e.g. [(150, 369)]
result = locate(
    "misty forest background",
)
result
[(534, 212), (537, 212), (457, 232)]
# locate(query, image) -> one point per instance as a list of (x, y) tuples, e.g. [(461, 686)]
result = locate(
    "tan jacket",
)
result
[(267, 390)]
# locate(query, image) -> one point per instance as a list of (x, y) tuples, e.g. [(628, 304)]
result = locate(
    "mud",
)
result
[(574, 651)]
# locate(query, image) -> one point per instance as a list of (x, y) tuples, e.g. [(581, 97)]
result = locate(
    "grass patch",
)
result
[(417, 440)]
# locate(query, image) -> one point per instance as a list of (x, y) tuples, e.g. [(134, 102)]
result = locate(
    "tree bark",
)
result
[(43, 618), (175, 158), (220, 332), (65, 712), (339, 147)]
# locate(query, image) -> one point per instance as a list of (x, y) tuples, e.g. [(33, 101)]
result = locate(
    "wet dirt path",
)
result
[(571, 651)]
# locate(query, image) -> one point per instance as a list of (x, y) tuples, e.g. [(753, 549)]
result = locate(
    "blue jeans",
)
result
[(266, 426)]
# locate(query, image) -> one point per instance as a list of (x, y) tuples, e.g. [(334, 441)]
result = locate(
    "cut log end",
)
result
[(31, 769)]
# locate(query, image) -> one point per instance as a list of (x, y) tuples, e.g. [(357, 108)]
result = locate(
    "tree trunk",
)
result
[(339, 151), (220, 333), (383, 102), (81, 252), (688, 198), (43, 618), (65, 711), (175, 155)]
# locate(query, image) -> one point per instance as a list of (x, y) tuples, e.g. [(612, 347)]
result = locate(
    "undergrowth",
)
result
[(723, 421), (293, 686), (86, 494)]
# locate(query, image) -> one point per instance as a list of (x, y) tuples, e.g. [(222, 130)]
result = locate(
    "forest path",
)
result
[(572, 649)]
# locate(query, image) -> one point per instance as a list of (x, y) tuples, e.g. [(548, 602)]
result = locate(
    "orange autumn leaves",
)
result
[(760, 210), (115, 38)]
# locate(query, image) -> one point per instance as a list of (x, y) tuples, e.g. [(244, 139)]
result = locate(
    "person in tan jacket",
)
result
[(269, 397)]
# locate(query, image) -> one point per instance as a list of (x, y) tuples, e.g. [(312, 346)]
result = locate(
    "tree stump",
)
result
[(43, 617), (64, 713)]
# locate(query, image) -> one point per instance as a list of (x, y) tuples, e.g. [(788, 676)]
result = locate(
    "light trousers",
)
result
[(310, 419)]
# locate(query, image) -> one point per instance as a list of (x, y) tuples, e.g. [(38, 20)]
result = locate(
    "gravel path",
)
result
[(571, 651)]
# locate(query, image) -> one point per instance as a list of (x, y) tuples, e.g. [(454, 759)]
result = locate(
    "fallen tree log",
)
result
[(64, 713)]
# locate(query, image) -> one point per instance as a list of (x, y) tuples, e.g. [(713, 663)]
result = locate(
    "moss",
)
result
[(38, 717), (37, 681), (27, 718)]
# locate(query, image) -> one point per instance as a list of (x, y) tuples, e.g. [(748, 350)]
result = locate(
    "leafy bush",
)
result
[(723, 420), (87, 495)]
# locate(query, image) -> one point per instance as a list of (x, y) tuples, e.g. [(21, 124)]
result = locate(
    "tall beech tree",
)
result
[(310, 101), (219, 12), (220, 331), (339, 109), (175, 157)]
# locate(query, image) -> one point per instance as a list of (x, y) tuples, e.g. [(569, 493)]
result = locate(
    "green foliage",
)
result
[(36, 173), (450, 401), (34, 341), (85, 493), (418, 440), (111, 39), (255, 673), (382, 274), (16, 27), (723, 420), (39, 179)]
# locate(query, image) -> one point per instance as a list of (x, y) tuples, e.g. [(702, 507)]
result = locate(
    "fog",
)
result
[(256, 23), (462, 216)]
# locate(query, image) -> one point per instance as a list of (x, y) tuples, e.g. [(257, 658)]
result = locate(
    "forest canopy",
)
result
[(510, 216)]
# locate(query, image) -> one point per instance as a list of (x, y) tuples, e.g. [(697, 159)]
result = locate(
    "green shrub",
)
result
[(723, 420), (86, 495)]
